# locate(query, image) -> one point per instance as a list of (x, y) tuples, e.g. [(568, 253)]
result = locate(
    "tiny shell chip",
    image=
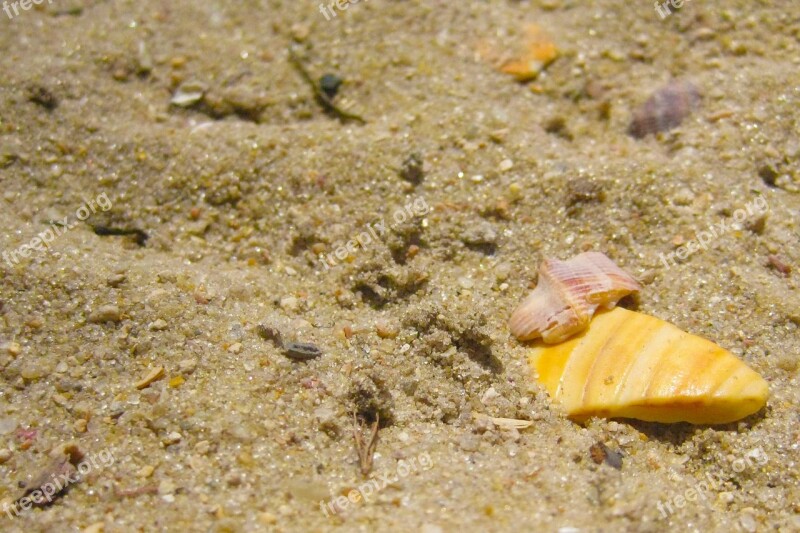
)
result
[(665, 109), (188, 94), (568, 294), (525, 61), (538, 52), (631, 365)]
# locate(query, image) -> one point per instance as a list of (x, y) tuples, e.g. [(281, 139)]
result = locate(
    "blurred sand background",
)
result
[(241, 193)]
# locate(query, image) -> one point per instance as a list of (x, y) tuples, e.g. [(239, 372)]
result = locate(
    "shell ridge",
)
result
[(611, 332)]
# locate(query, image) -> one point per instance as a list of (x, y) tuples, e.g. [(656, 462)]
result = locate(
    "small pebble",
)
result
[(12, 348), (159, 325), (115, 280), (480, 234), (187, 366), (502, 271), (5, 455), (267, 519), (98, 527), (600, 453), (489, 395), (42, 96), (748, 522), (172, 438), (146, 471), (330, 83), (290, 303), (166, 487), (300, 31), (780, 264), (202, 447), (412, 170), (106, 313), (506, 164), (386, 329)]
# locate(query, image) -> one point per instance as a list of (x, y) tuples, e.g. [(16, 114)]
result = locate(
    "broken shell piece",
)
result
[(631, 365), (506, 423), (538, 52), (188, 94), (568, 294), (154, 375), (525, 61)]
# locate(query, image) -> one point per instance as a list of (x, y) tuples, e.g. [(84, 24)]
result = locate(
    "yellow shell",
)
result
[(631, 365)]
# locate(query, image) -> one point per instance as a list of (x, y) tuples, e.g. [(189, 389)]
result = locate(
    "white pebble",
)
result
[(506, 164)]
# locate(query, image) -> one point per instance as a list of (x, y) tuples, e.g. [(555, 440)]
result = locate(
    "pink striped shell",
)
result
[(567, 296)]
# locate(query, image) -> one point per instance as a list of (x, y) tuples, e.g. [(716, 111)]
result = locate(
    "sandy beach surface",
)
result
[(209, 283)]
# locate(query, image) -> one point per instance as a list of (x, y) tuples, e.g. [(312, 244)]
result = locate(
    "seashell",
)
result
[(568, 294), (538, 52), (188, 94), (665, 109), (631, 365), (533, 52)]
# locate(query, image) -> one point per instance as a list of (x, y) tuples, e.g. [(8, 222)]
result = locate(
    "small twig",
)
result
[(324, 100), (138, 491), (139, 236), (365, 450)]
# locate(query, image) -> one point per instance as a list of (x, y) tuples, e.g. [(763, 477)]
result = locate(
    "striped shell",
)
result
[(631, 365), (665, 109), (567, 296)]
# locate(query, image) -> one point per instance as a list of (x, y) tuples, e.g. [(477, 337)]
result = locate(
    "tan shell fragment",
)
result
[(567, 296)]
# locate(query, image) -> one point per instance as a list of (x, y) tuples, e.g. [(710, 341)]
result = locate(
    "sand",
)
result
[(244, 192)]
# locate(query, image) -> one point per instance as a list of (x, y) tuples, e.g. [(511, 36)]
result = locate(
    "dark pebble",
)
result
[(412, 169), (330, 83), (301, 351), (42, 96)]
